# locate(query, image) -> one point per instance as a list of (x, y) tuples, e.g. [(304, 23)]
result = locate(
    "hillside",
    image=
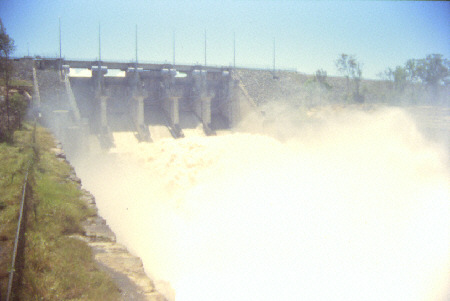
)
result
[(303, 90)]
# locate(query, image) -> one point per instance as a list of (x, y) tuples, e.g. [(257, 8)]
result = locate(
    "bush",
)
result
[(12, 114)]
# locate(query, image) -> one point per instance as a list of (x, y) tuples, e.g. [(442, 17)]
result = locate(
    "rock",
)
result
[(74, 178), (126, 270), (97, 230), (59, 153), (87, 197)]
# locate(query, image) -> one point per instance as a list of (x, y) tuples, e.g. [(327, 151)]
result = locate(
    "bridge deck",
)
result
[(124, 66)]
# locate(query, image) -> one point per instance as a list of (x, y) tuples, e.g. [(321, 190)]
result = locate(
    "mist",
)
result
[(325, 204)]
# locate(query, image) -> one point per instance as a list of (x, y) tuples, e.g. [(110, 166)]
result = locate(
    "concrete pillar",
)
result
[(202, 108), (103, 111), (136, 103), (98, 75), (137, 113), (106, 138), (206, 110), (170, 106), (140, 110), (198, 107), (206, 115), (166, 108)]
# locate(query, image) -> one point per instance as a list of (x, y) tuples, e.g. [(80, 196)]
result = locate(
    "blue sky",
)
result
[(309, 35)]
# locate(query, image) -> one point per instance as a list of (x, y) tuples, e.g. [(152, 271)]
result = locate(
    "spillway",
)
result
[(191, 125), (158, 125), (330, 205)]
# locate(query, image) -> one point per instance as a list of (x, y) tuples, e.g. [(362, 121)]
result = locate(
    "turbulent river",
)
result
[(332, 204)]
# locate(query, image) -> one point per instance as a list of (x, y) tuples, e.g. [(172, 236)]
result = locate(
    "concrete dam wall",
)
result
[(161, 101), (153, 101)]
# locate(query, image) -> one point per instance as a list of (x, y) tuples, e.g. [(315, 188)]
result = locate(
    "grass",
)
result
[(62, 269), (17, 83), (13, 159), (57, 265)]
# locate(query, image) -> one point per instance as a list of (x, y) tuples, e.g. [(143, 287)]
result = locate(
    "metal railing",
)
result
[(19, 236), (20, 232), (166, 62)]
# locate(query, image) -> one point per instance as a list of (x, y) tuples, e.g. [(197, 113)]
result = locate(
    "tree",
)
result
[(18, 109), (396, 80), (6, 69), (400, 77), (433, 69), (321, 78), (348, 66), (397, 76), (411, 70), (430, 72), (356, 73), (343, 68)]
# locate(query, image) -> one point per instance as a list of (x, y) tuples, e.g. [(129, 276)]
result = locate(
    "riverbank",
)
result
[(70, 252)]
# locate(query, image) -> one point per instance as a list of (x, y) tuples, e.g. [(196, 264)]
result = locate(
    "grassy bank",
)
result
[(17, 83), (57, 265)]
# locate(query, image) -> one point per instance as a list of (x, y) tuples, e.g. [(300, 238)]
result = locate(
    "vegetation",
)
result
[(321, 78), (397, 76), (17, 83), (432, 70), (6, 69), (430, 73), (351, 69), (12, 108), (58, 266)]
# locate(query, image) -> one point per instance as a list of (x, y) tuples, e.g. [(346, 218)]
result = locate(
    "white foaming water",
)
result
[(348, 206)]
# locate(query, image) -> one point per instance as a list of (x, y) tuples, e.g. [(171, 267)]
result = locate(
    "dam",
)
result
[(150, 100)]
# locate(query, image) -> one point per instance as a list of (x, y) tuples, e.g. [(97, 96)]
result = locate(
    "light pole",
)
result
[(174, 48), (99, 45), (274, 56), (136, 47), (60, 52), (205, 47), (234, 50)]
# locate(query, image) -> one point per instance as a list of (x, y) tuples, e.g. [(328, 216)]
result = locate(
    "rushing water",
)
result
[(334, 205)]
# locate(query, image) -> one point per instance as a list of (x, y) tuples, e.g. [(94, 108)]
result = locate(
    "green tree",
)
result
[(397, 80), (18, 109), (321, 78), (398, 76), (433, 72), (433, 69), (411, 70), (349, 66), (388, 75), (6, 69), (342, 66)]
